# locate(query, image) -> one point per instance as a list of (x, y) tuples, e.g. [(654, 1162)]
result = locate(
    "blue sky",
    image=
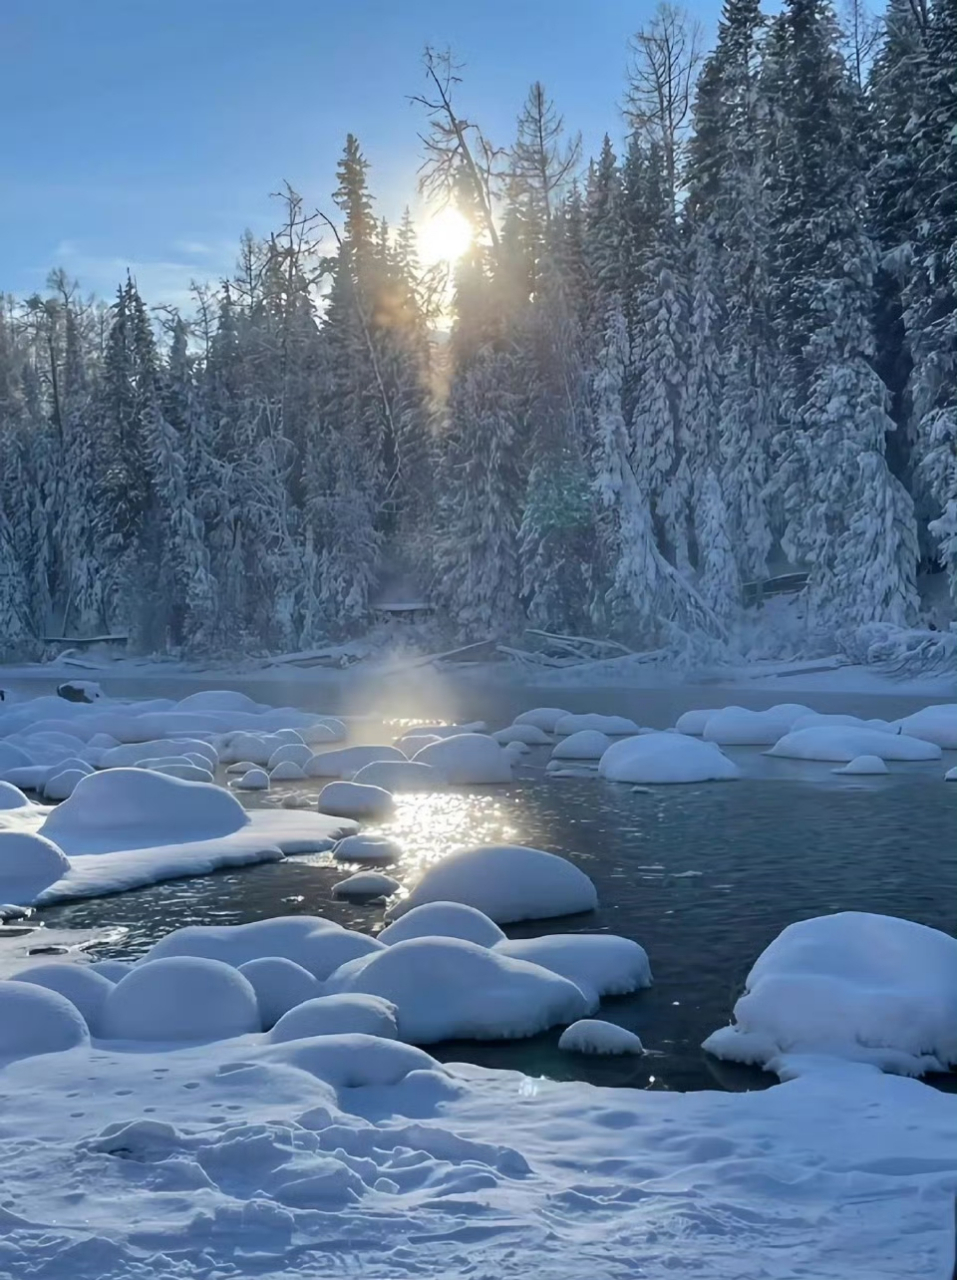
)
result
[(149, 133)]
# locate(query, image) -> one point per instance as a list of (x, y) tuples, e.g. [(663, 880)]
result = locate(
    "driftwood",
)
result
[(331, 656), (466, 652)]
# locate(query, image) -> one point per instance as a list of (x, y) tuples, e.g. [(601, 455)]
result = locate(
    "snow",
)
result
[(12, 797), (860, 987), (77, 983), (139, 752), (444, 920), (589, 1035), (449, 989), (13, 757), (36, 1020), (59, 786), (951, 775), (863, 765), (29, 863), (933, 724), (112, 970), (467, 759), (401, 775), (666, 758), (693, 722), (841, 743), (529, 734), (347, 761), (544, 718), (586, 744), (337, 1015), (361, 848), (286, 771), (601, 964), (355, 800), (612, 726), (188, 771), (180, 998), (280, 984), (366, 884), (737, 727), (509, 883), (816, 720)]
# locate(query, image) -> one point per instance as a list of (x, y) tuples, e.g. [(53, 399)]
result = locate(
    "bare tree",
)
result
[(459, 158), (861, 30), (542, 162), (665, 58)]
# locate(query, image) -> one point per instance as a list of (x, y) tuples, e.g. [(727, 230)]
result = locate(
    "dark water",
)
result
[(704, 877)]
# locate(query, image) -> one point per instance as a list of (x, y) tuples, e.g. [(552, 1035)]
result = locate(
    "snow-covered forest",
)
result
[(723, 349)]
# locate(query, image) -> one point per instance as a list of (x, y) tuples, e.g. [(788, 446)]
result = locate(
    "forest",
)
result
[(724, 348)]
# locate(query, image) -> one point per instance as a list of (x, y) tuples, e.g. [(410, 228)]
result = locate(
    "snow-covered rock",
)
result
[(589, 1035), (444, 920), (328, 729), (336, 1015), (738, 727), (347, 761), (693, 722), (13, 757), (445, 730), (612, 726), (365, 884), (180, 998), (112, 970), (951, 774), (867, 988), (401, 775), (863, 765), (77, 982), (666, 758), (507, 882), (286, 771), (602, 964), (221, 700), (933, 724), (137, 753), (34, 1020), (80, 691), (529, 734), (355, 800), (135, 807), (240, 767), (468, 759), (297, 752), (252, 780), (12, 797), (839, 720), (448, 989), (350, 1061), (411, 744), (515, 751), (586, 744), (186, 770), (29, 863), (544, 718), (280, 985), (375, 849), (318, 945), (843, 743)]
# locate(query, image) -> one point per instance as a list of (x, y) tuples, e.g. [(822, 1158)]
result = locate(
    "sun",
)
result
[(445, 237)]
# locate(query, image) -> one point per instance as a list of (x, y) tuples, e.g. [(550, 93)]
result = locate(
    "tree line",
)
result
[(649, 379)]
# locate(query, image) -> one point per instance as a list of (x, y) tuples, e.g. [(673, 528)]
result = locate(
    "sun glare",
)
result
[(445, 236)]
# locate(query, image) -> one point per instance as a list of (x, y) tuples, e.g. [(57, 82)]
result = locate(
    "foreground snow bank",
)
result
[(507, 883), (666, 758), (862, 987)]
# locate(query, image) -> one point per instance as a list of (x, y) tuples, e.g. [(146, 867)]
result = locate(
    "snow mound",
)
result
[(224, 700), (863, 765), (602, 964), (181, 998), (279, 984), (257, 747), (738, 727), (296, 752), (76, 982), (448, 989), (529, 734), (134, 753), (286, 771), (411, 743), (13, 757), (252, 780), (127, 808), (444, 920), (866, 988), (59, 786), (838, 720), (586, 744), (507, 883), (666, 757), (318, 945), (933, 724), (613, 726), (378, 849), (186, 770), (36, 1020), (693, 722), (351, 1061), (112, 970), (401, 775), (544, 718), (337, 1015), (355, 800), (348, 761), (843, 743), (366, 884), (591, 1036), (29, 864), (12, 797), (468, 759), (240, 767), (951, 775)]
